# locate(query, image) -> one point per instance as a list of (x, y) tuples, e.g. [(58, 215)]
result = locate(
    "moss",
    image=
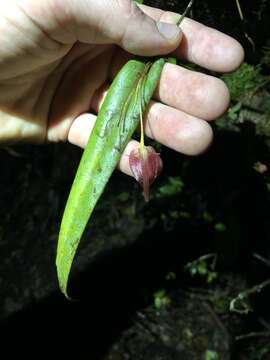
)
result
[(245, 79)]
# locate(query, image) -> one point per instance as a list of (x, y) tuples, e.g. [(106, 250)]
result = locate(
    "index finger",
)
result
[(201, 44)]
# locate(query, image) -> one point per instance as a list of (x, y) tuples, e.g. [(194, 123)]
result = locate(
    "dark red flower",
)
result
[(145, 164)]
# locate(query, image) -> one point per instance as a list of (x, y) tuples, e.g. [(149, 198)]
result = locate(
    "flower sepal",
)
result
[(145, 164)]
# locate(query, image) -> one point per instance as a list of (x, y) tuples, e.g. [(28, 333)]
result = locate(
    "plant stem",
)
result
[(185, 13)]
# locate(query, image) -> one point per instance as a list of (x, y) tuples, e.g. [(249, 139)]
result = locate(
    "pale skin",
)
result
[(58, 57)]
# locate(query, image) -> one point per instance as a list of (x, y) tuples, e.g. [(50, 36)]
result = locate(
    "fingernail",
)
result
[(169, 31)]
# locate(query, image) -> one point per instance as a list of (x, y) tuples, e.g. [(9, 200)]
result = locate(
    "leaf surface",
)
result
[(118, 118)]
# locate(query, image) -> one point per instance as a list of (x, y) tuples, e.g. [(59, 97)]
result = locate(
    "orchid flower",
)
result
[(145, 164)]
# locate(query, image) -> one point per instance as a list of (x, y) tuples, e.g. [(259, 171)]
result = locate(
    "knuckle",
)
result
[(127, 7), (130, 14)]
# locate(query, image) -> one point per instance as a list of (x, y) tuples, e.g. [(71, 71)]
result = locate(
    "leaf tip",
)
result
[(63, 269)]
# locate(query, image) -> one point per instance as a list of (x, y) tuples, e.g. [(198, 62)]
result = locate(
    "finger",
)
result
[(80, 131), (123, 23), (195, 93), (201, 44), (118, 22), (177, 130), (171, 127)]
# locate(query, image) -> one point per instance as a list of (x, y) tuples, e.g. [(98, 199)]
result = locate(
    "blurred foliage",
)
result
[(204, 267), (161, 299), (172, 187), (211, 355)]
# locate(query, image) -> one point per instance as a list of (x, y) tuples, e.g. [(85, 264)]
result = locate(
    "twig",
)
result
[(244, 295), (253, 334), (242, 20), (185, 12), (202, 258), (239, 10), (262, 259)]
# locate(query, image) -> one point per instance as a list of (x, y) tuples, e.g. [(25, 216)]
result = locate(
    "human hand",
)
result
[(58, 57)]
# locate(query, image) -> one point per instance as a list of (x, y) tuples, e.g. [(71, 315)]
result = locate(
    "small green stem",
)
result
[(142, 131), (239, 10), (185, 13)]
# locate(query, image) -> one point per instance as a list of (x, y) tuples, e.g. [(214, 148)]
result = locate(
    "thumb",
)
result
[(123, 23)]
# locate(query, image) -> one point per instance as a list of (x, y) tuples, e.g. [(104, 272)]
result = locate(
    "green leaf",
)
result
[(172, 60), (118, 118)]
